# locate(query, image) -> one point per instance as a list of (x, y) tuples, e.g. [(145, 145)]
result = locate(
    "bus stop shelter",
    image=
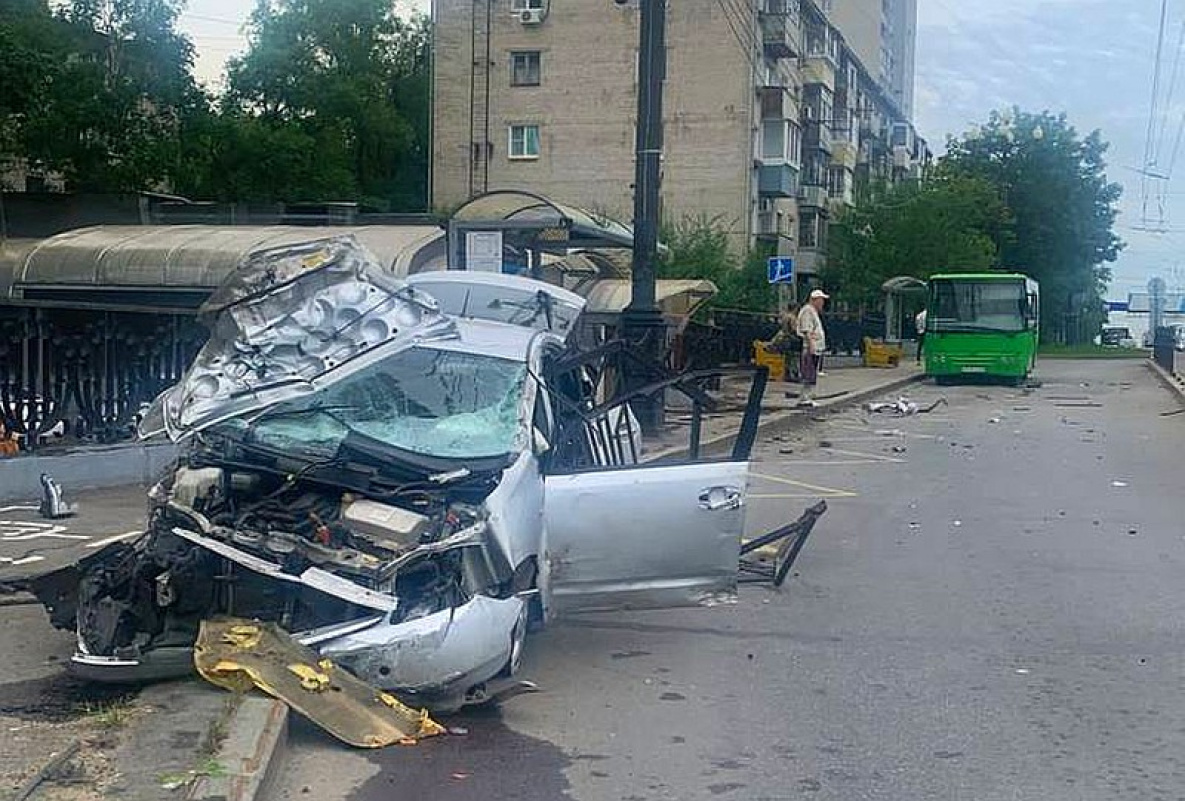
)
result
[(511, 230), (896, 290)]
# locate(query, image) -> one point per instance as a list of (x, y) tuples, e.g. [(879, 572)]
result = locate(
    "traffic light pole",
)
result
[(642, 324)]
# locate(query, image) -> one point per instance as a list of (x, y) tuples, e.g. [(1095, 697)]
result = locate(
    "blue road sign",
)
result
[(781, 270)]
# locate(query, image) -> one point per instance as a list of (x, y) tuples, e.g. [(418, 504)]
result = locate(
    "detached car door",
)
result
[(642, 537)]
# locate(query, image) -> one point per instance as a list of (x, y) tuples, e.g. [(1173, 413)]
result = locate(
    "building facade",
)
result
[(771, 118)]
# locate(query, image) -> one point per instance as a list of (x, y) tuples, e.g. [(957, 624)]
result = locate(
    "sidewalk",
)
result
[(840, 386)]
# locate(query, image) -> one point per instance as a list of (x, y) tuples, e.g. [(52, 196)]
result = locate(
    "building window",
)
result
[(808, 229), (526, 5), (781, 142), (524, 68), (524, 141)]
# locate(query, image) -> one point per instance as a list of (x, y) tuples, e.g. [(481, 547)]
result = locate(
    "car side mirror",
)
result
[(539, 441)]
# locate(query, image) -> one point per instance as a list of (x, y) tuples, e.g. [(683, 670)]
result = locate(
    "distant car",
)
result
[(1114, 336), (402, 475)]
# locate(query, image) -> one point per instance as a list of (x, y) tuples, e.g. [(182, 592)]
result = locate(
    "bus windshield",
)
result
[(977, 306)]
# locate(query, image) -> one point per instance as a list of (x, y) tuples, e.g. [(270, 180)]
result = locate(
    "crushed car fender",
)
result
[(237, 654)]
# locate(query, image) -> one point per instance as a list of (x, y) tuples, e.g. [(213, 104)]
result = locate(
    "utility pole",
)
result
[(641, 323)]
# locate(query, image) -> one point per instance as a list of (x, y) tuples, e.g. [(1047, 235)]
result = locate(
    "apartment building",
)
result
[(771, 119), (883, 36)]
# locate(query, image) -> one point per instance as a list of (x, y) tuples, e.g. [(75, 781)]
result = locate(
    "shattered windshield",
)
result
[(993, 306), (436, 403)]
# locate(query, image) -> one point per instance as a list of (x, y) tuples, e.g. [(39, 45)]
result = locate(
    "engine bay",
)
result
[(281, 549)]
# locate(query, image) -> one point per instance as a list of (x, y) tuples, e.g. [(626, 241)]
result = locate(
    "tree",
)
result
[(236, 157), (30, 48), (100, 87), (699, 248), (1054, 183), (351, 75), (952, 223)]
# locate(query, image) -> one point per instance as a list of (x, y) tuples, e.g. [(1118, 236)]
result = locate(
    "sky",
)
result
[(1092, 59)]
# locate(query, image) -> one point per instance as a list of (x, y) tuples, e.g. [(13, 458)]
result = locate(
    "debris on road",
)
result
[(53, 503), (1118, 483), (902, 407), (237, 654), (47, 773)]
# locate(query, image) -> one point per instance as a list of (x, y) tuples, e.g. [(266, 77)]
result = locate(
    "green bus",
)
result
[(981, 324)]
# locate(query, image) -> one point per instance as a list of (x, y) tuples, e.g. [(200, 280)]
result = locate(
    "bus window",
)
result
[(978, 306)]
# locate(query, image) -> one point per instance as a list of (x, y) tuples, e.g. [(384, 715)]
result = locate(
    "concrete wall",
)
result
[(84, 468), (859, 22)]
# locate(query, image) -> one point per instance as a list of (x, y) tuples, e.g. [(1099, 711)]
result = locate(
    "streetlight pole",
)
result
[(641, 323)]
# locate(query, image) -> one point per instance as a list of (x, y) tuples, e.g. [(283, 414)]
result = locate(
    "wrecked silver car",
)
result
[(404, 475)]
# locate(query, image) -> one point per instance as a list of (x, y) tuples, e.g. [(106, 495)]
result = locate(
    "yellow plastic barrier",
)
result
[(878, 353), (763, 356)]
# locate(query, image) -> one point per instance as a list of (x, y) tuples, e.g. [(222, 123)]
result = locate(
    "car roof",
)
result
[(488, 338)]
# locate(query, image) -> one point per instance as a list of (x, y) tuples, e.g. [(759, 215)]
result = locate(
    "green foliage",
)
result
[(1055, 185), (100, 89), (349, 75), (330, 102), (948, 224), (699, 248)]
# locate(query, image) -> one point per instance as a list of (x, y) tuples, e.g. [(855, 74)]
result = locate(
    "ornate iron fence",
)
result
[(84, 376)]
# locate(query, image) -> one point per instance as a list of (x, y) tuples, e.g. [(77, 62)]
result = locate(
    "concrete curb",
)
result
[(1173, 383), (782, 420), (256, 741), (97, 467)]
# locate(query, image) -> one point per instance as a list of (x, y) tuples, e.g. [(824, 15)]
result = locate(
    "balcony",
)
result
[(810, 260), (778, 102), (813, 196), (779, 35), (774, 227), (777, 180), (844, 150), (818, 68), (817, 136)]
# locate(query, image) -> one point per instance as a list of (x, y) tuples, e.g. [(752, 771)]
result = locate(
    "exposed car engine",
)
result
[(261, 533)]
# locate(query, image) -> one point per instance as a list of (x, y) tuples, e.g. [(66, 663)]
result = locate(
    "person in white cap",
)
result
[(814, 343)]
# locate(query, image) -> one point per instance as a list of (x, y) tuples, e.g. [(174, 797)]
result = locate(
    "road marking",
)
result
[(4, 509), (871, 457), (28, 560), (21, 531), (112, 538), (793, 497), (830, 491)]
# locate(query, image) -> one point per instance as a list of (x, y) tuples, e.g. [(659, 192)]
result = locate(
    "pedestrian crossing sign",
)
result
[(781, 270)]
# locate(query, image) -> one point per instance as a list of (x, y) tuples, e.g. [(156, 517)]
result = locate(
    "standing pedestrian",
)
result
[(919, 323), (814, 342)]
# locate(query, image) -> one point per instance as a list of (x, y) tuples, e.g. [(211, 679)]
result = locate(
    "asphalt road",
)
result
[(991, 609)]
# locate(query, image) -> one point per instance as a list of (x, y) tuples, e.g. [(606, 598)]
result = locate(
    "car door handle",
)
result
[(716, 499)]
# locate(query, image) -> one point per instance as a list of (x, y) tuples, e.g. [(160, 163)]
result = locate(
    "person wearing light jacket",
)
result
[(814, 343)]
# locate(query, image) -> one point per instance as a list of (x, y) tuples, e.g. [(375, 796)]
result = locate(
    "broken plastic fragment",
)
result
[(236, 654)]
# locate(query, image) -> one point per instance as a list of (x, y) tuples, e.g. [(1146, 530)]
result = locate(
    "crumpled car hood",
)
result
[(290, 321)]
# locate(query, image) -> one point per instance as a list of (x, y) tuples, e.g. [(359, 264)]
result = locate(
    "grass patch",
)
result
[(1089, 352), (114, 714)]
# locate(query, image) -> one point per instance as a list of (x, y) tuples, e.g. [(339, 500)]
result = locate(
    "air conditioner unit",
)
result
[(530, 16)]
